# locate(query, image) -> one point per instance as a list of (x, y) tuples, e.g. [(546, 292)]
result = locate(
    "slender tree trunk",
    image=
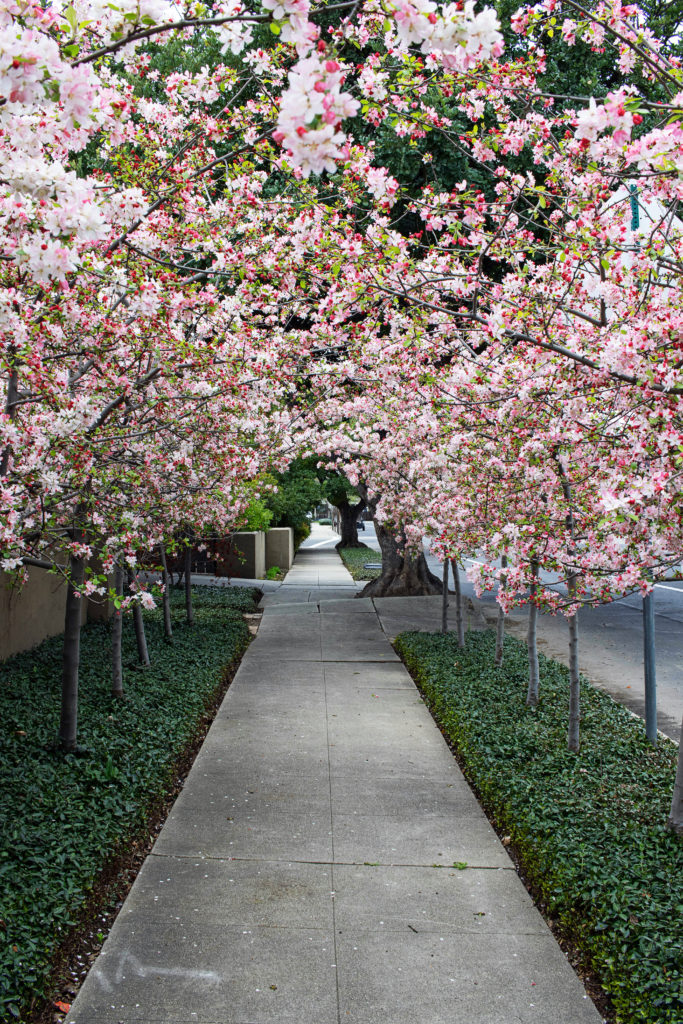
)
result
[(532, 692), (500, 624), (459, 611), (348, 524), (166, 598), (650, 667), (573, 738), (116, 634), (68, 724), (574, 682), (139, 625), (188, 586), (675, 821), (10, 410), (444, 598)]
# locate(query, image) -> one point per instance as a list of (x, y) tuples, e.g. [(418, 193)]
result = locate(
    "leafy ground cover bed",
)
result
[(355, 558), (590, 830), (65, 818)]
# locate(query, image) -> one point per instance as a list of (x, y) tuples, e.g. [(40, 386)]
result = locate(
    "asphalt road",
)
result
[(611, 644)]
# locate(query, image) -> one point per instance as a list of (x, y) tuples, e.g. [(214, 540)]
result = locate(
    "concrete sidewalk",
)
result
[(326, 861)]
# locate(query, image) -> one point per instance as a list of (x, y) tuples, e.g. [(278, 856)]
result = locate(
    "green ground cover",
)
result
[(589, 830), (62, 818), (355, 558)]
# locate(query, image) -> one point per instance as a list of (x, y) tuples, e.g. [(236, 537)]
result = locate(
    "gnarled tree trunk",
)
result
[(348, 524), (405, 573)]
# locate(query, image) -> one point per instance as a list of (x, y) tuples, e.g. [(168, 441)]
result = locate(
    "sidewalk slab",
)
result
[(379, 797), (367, 679), (207, 972), (326, 861), (428, 899), (276, 895), (464, 979), (300, 837)]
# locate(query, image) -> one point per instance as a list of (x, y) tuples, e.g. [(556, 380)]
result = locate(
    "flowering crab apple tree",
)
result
[(128, 403), (131, 399), (579, 306), (575, 342), (100, 265), (198, 213), (544, 299)]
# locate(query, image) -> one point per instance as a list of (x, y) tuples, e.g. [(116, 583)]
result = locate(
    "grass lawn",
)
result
[(63, 818), (589, 830)]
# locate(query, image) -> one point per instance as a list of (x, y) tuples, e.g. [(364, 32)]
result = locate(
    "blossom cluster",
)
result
[(311, 111)]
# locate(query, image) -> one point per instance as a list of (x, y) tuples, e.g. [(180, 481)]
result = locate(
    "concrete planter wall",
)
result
[(244, 556), (280, 547)]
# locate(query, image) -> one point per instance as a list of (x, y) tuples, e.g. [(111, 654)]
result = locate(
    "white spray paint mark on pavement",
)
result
[(131, 965)]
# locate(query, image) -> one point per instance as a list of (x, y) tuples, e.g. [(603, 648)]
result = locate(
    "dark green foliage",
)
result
[(298, 492), (301, 532), (355, 558), (665, 18), (336, 488), (62, 817), (590, 829)]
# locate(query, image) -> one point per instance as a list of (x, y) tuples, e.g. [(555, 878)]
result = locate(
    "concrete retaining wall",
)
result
[(280, 547), (30, 613), (35, 611)]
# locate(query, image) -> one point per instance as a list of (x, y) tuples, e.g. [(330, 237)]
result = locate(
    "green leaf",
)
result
[(72, 18)]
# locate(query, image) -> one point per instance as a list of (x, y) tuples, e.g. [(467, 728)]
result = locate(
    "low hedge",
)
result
[(355, 558), (64, 817), (589, 830)]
